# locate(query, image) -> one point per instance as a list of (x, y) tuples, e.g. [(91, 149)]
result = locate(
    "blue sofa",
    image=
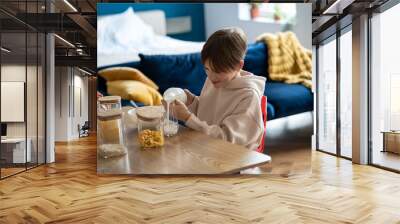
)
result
[(187, 71)]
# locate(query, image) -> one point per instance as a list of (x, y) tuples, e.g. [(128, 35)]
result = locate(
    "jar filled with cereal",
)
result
[(149, 124), (110, 133), (108, 103)]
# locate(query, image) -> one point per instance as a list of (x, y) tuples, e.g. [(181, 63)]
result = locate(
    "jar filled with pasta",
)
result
[(149, 124), (110, 134)]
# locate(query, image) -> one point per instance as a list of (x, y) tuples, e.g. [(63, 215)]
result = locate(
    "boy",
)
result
[(229, 106)]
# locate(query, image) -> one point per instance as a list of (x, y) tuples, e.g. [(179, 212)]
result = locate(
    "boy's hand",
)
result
[(178, 110), (190, 97)]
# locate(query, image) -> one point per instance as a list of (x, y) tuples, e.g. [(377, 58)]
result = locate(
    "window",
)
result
[(334, 94), (394, 101), (346, 93), (22, 74), (385, 89), (280, 13), (327, 97)]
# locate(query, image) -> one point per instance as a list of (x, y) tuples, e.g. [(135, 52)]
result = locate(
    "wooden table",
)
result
[(188, 152)]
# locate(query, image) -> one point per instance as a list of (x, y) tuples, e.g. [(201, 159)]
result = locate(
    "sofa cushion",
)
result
[(126, 73), (270, 111), (187, 70), (102, 83), (256, 58), (288, 99), (184, 71), (134, 90), (133, 64)]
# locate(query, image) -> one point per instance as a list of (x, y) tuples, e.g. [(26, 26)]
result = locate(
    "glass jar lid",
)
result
[(109, 114), (150, 113), (110, 99)]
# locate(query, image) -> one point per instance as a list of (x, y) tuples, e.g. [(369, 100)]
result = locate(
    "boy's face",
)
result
[(220, 79)]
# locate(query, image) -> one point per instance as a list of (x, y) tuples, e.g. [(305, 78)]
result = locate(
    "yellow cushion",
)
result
[(134, 90), (126, 73)]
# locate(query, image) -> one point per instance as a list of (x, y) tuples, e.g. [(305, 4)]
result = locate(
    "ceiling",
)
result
[(74, 22), (330, 15)]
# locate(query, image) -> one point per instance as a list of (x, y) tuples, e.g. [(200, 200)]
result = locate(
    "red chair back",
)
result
[(264, 114)]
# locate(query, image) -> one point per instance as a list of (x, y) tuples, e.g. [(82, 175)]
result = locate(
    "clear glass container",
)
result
[(110, 133), (108, 103), (170, 125), (150, 126), (174, 93)]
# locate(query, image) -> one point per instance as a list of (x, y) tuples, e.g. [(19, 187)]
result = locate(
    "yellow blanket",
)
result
[(288, 60)]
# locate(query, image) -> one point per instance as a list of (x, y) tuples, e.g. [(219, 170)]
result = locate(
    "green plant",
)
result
[(254, 4), (278, 11)]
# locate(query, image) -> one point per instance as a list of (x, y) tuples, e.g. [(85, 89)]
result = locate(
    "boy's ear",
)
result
[(241, 64)]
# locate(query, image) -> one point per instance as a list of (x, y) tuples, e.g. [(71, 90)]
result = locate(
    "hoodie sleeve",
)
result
[(244, 126)]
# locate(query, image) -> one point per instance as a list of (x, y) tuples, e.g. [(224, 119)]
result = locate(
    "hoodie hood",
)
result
[(247, 80)]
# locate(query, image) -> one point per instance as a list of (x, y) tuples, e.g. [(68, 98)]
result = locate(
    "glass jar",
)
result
[(108, 103), (170, 124), (110, 133), (173, 93), (150, 128)]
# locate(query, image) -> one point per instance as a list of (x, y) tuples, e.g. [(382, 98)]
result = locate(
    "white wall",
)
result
[(72, 86), (17, 73), (219, 15), (33, 126), (12, 73), (62, 81), (82, 82), (80, 102)]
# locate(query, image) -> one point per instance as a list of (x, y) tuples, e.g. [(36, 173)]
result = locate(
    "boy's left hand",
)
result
[(179, 110)]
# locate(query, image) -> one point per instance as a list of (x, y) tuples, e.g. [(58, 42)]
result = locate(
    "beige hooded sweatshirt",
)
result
[(233, 112)]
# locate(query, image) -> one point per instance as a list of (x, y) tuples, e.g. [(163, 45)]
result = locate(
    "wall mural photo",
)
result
[(181, 91)]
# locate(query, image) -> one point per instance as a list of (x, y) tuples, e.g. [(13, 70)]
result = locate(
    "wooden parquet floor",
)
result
[(69, 191)]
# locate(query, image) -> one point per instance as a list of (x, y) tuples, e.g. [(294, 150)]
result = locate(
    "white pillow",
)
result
[(122, 32)]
